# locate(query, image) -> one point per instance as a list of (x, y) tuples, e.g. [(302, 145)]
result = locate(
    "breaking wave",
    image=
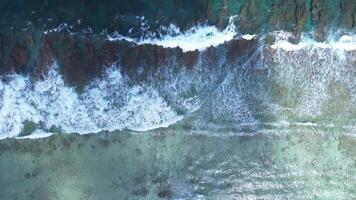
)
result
[(196, 38), (344, 42), (308, 82), (316, 80), (106, 104)]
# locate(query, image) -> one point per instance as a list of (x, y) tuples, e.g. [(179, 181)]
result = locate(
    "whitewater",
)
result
[(115, 102)]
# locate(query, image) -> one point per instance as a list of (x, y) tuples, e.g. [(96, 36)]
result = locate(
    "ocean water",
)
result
[(277, 120)]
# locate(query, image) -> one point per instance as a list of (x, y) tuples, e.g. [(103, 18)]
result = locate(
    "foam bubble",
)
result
[(248, 37)]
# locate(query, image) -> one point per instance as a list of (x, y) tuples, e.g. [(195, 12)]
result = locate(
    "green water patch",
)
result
[(29, 127)]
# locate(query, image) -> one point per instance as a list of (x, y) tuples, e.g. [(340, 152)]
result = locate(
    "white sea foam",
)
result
[(314, 72), (36, 135), (345, 42), (248, 37), (107, 104), (198, 38)]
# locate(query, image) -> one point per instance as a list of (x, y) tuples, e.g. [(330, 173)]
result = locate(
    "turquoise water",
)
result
[(287, 163)]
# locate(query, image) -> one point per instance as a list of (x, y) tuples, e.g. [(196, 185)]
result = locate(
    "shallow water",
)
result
[(289, 163)]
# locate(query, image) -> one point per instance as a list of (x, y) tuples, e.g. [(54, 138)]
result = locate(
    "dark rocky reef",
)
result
[(254, 16), (81, 59), (24, 48)]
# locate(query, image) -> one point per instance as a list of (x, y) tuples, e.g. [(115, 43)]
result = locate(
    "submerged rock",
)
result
[(164, 190), (28, 128)]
